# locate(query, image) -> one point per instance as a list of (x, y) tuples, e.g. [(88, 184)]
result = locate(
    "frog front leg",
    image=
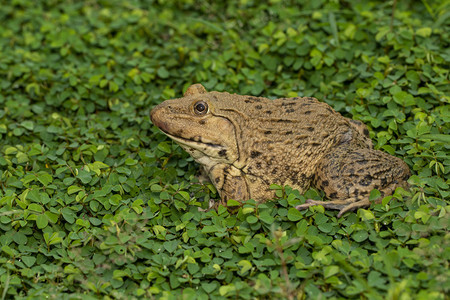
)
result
[(347, 176), (229, 182)]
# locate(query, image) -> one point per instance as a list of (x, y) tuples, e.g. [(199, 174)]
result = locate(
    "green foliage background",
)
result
[(95, 202)]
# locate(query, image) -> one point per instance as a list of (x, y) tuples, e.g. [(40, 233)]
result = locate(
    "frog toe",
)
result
[(308, 203), (354, 206)]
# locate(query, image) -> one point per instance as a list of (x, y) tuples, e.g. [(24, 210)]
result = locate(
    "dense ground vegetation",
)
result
[(95, 202)]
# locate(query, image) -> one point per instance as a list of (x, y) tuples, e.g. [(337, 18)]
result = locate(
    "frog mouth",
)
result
[(197, 144)]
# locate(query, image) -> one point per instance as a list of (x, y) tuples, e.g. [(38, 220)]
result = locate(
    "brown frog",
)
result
[(246, 143)]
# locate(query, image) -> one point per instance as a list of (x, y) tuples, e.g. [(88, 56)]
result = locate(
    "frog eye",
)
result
[(200, 108)]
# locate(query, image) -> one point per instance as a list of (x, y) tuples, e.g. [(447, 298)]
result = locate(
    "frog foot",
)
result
[(342, 205)]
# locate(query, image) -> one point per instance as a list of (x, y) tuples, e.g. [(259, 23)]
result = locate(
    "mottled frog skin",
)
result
[(246, 143)]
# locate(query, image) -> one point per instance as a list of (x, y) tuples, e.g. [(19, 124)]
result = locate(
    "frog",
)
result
[(247, 143)]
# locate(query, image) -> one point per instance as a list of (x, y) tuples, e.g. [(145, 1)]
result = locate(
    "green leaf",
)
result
[(329, 271), (360, 236), (29, 261), (209, 287), (164, 147), (443, 138), (366, 214), (170, 246), (35, 207), (20, 238), (52, 238), (424, 32), (252, 219), (42, 221), (209, 229), (193, 268), (115, 199), (266, 217), (374, 194), (84, 176), (8, 250), (44, 178), (10, 150), (28, 125), (404, 98), (225, 290), (232, 203), (156, 188), (73, 189), (294, 215), (245, 266), (68, 215), (185, 195), (162, 72), (113, 87)]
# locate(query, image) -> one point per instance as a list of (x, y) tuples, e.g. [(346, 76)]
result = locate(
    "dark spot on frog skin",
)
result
[(290, 110), (406, 176), (258, 165), (294, 179), (378, 174), (269, 112), (267, 132), (255, 154), (310, 129), (288, 103), (366, 180), (366, 132), (202, 122), (274, 170), (222, 152), (325, 183), (307, 112), (258, 106), (288, 132), (217, 179), (256, 99), (333, 195)]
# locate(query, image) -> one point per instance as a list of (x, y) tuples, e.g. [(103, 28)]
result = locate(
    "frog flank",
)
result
[(246, 143)]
